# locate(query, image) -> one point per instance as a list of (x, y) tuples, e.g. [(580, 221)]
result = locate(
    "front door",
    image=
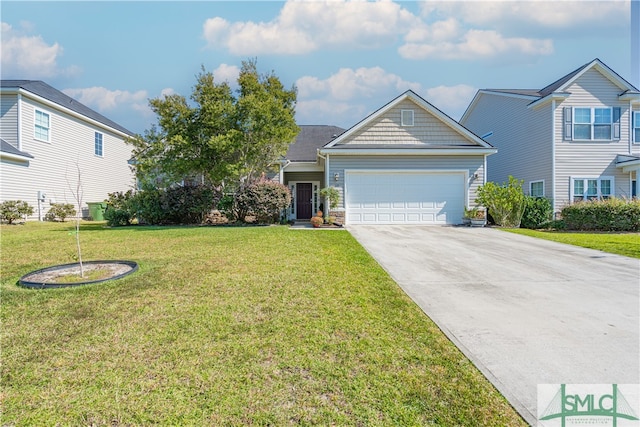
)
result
[(304, 196)]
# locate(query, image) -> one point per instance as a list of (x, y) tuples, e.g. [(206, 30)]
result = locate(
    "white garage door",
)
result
[(404, 197)]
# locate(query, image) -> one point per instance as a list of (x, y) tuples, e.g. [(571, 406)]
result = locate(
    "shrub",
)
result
[(264, 199), (505, 202), (60, 212), (176, 205), (316, 221), (605, 215), (332, 195), (11, 210), (537, 212), (120, 208)]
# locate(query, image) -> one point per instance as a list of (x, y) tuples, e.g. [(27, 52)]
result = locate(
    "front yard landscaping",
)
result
[(226, 326), (627, 244)]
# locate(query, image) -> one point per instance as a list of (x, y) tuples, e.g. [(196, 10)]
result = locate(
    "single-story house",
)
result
[(406, 163)]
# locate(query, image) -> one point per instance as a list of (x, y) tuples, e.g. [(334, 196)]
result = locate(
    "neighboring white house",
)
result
[(46, 136), (407, 163), (576, 139)]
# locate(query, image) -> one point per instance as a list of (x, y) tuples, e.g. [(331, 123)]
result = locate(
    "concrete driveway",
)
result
[(526, 311)]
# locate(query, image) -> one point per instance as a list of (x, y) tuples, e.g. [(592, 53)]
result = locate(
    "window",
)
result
[(97, 146), (41, 126), (592, 123), (536, 188), (636, 127), (591, 188), (406, 117)]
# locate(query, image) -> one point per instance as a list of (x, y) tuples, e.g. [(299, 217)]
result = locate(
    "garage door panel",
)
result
[(404, 198)]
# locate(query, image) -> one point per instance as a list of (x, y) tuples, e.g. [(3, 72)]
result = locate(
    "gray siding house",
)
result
[(407, 163), (575, 139), (45, 136)]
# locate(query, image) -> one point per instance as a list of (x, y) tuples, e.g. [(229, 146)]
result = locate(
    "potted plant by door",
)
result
[(317, 221), (479, 219), (468, 214)]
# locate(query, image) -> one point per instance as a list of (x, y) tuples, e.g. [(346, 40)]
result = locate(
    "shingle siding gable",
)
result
[(427, 130)]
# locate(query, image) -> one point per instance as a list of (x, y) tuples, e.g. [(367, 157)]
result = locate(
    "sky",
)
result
[(346, 59)]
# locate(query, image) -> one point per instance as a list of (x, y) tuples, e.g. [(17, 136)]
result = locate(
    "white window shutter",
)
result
[(568, 114)]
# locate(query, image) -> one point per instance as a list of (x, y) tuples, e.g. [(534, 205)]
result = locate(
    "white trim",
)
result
[(101, 155), (315, 197), (15, 157), (304, 167), (408, 123), (471, 151), (633, 125), (585, 178), (457, 127), (350, 172), (19, 117), (553, 152), (65, 110), (536, 182), (592, 124), (49, 119)]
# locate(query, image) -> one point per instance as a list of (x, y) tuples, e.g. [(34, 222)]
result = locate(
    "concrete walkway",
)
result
[(525, 311)]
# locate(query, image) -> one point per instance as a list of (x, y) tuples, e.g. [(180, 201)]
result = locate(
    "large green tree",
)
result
[(225, 137)]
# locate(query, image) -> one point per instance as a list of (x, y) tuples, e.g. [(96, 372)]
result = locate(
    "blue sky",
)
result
[(347, 59)]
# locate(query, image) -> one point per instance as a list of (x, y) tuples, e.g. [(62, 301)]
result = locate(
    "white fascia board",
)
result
[(408, 151), (634, 97), (15, 157), (68, 111), (303, 167)]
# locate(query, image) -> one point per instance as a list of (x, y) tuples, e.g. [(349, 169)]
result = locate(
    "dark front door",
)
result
[(303, 201)]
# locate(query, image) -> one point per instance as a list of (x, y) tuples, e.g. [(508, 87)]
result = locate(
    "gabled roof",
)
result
[(309, 140), (11, 151), (52, 94), (421, 102), (557, 88)]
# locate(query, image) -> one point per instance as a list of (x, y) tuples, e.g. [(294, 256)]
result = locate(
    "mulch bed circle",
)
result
[(45, 278)]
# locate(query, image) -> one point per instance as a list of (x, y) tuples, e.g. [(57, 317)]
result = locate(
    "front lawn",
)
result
[(627, 244), (226, 326)]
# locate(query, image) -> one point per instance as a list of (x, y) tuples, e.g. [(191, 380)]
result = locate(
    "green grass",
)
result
[(226, 326), (627, 244)]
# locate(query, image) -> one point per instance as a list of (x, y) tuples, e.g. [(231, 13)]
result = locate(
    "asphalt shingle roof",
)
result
[(310, 138), (52, 94), (5, 147)]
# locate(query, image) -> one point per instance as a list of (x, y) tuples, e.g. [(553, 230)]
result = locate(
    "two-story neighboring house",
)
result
[(576, 139), (46, 136)]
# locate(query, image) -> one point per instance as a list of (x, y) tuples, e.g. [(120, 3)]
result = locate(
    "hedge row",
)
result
[(263, 201), (606, 215)]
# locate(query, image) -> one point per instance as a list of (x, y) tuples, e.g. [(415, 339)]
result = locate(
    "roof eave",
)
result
[(409, 151), (57, 106), (632, 96), (15, 157), (555, 96)]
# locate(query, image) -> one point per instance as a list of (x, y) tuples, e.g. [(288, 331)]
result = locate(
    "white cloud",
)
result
[(474, 44), (453, 100), (227, 73), (167, 92), (303, 27), (103, 99), (347, 96), (29, 56), (348, 84), (535, 14)]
